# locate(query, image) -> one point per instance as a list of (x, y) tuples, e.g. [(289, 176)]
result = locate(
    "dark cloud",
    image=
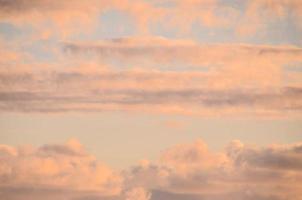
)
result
[(48, 150), (271, 158)]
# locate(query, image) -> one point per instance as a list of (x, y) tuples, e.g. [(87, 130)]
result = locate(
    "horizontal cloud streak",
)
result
[(239, 79), (161, 50), (135, 90)]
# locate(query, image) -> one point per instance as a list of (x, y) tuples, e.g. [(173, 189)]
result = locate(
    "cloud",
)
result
[(229, 79), (224, 65), (258, 13), (137, 194), (191, 171), (66, 14), (65, 168), (161, 50), (55, 91), (184, 171), (275, 157), (65, 18)]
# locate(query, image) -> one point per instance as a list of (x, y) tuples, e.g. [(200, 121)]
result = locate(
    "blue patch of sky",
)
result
[(161, 29), (38, 49), (10, 32), (111, 24), (293, 67), (284, 31), (276, 32), (42, 50), (164, 4), (237, 4)]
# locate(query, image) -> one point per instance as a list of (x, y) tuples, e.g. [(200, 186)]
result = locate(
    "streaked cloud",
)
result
[(139, 91), (248, 80), (163, 50)]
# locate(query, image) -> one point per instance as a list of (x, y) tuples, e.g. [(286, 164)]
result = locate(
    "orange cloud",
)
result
[(184, 171), (190, 171), (65, 17), (240, 79), (66, 166)]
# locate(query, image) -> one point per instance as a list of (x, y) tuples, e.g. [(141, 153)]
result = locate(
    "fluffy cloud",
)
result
[(65, 167), (184, 171), (137, 194), (190, 171)]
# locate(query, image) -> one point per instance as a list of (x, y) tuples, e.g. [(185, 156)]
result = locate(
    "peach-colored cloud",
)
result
[(190, 171), (56, 17), (132, 90), (188, 157), (231, 64), (65, 17), (137, 194), (260, 12), (184, 171), (240, 79), (66, 166)]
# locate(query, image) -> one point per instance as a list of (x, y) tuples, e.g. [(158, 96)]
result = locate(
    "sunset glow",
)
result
[(151, 99)]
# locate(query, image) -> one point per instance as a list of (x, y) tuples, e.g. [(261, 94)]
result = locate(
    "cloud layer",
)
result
[(66, 17), (184, 171), (229, 79)]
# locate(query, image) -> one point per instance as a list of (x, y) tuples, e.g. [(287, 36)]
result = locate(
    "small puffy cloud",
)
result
[(186, 158), (137, 194)]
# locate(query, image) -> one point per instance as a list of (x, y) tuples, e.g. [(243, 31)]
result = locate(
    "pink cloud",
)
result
[(191, 171), (185, 171), (67, 167), (241, 79), (64, 18)]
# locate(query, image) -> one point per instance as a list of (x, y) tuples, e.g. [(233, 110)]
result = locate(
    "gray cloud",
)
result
[(271, 158), (160, 50)]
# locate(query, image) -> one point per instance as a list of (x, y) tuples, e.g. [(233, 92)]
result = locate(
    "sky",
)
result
[(151, 99)]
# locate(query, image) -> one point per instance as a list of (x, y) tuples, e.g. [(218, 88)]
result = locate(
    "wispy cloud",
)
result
[(240, 79)]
